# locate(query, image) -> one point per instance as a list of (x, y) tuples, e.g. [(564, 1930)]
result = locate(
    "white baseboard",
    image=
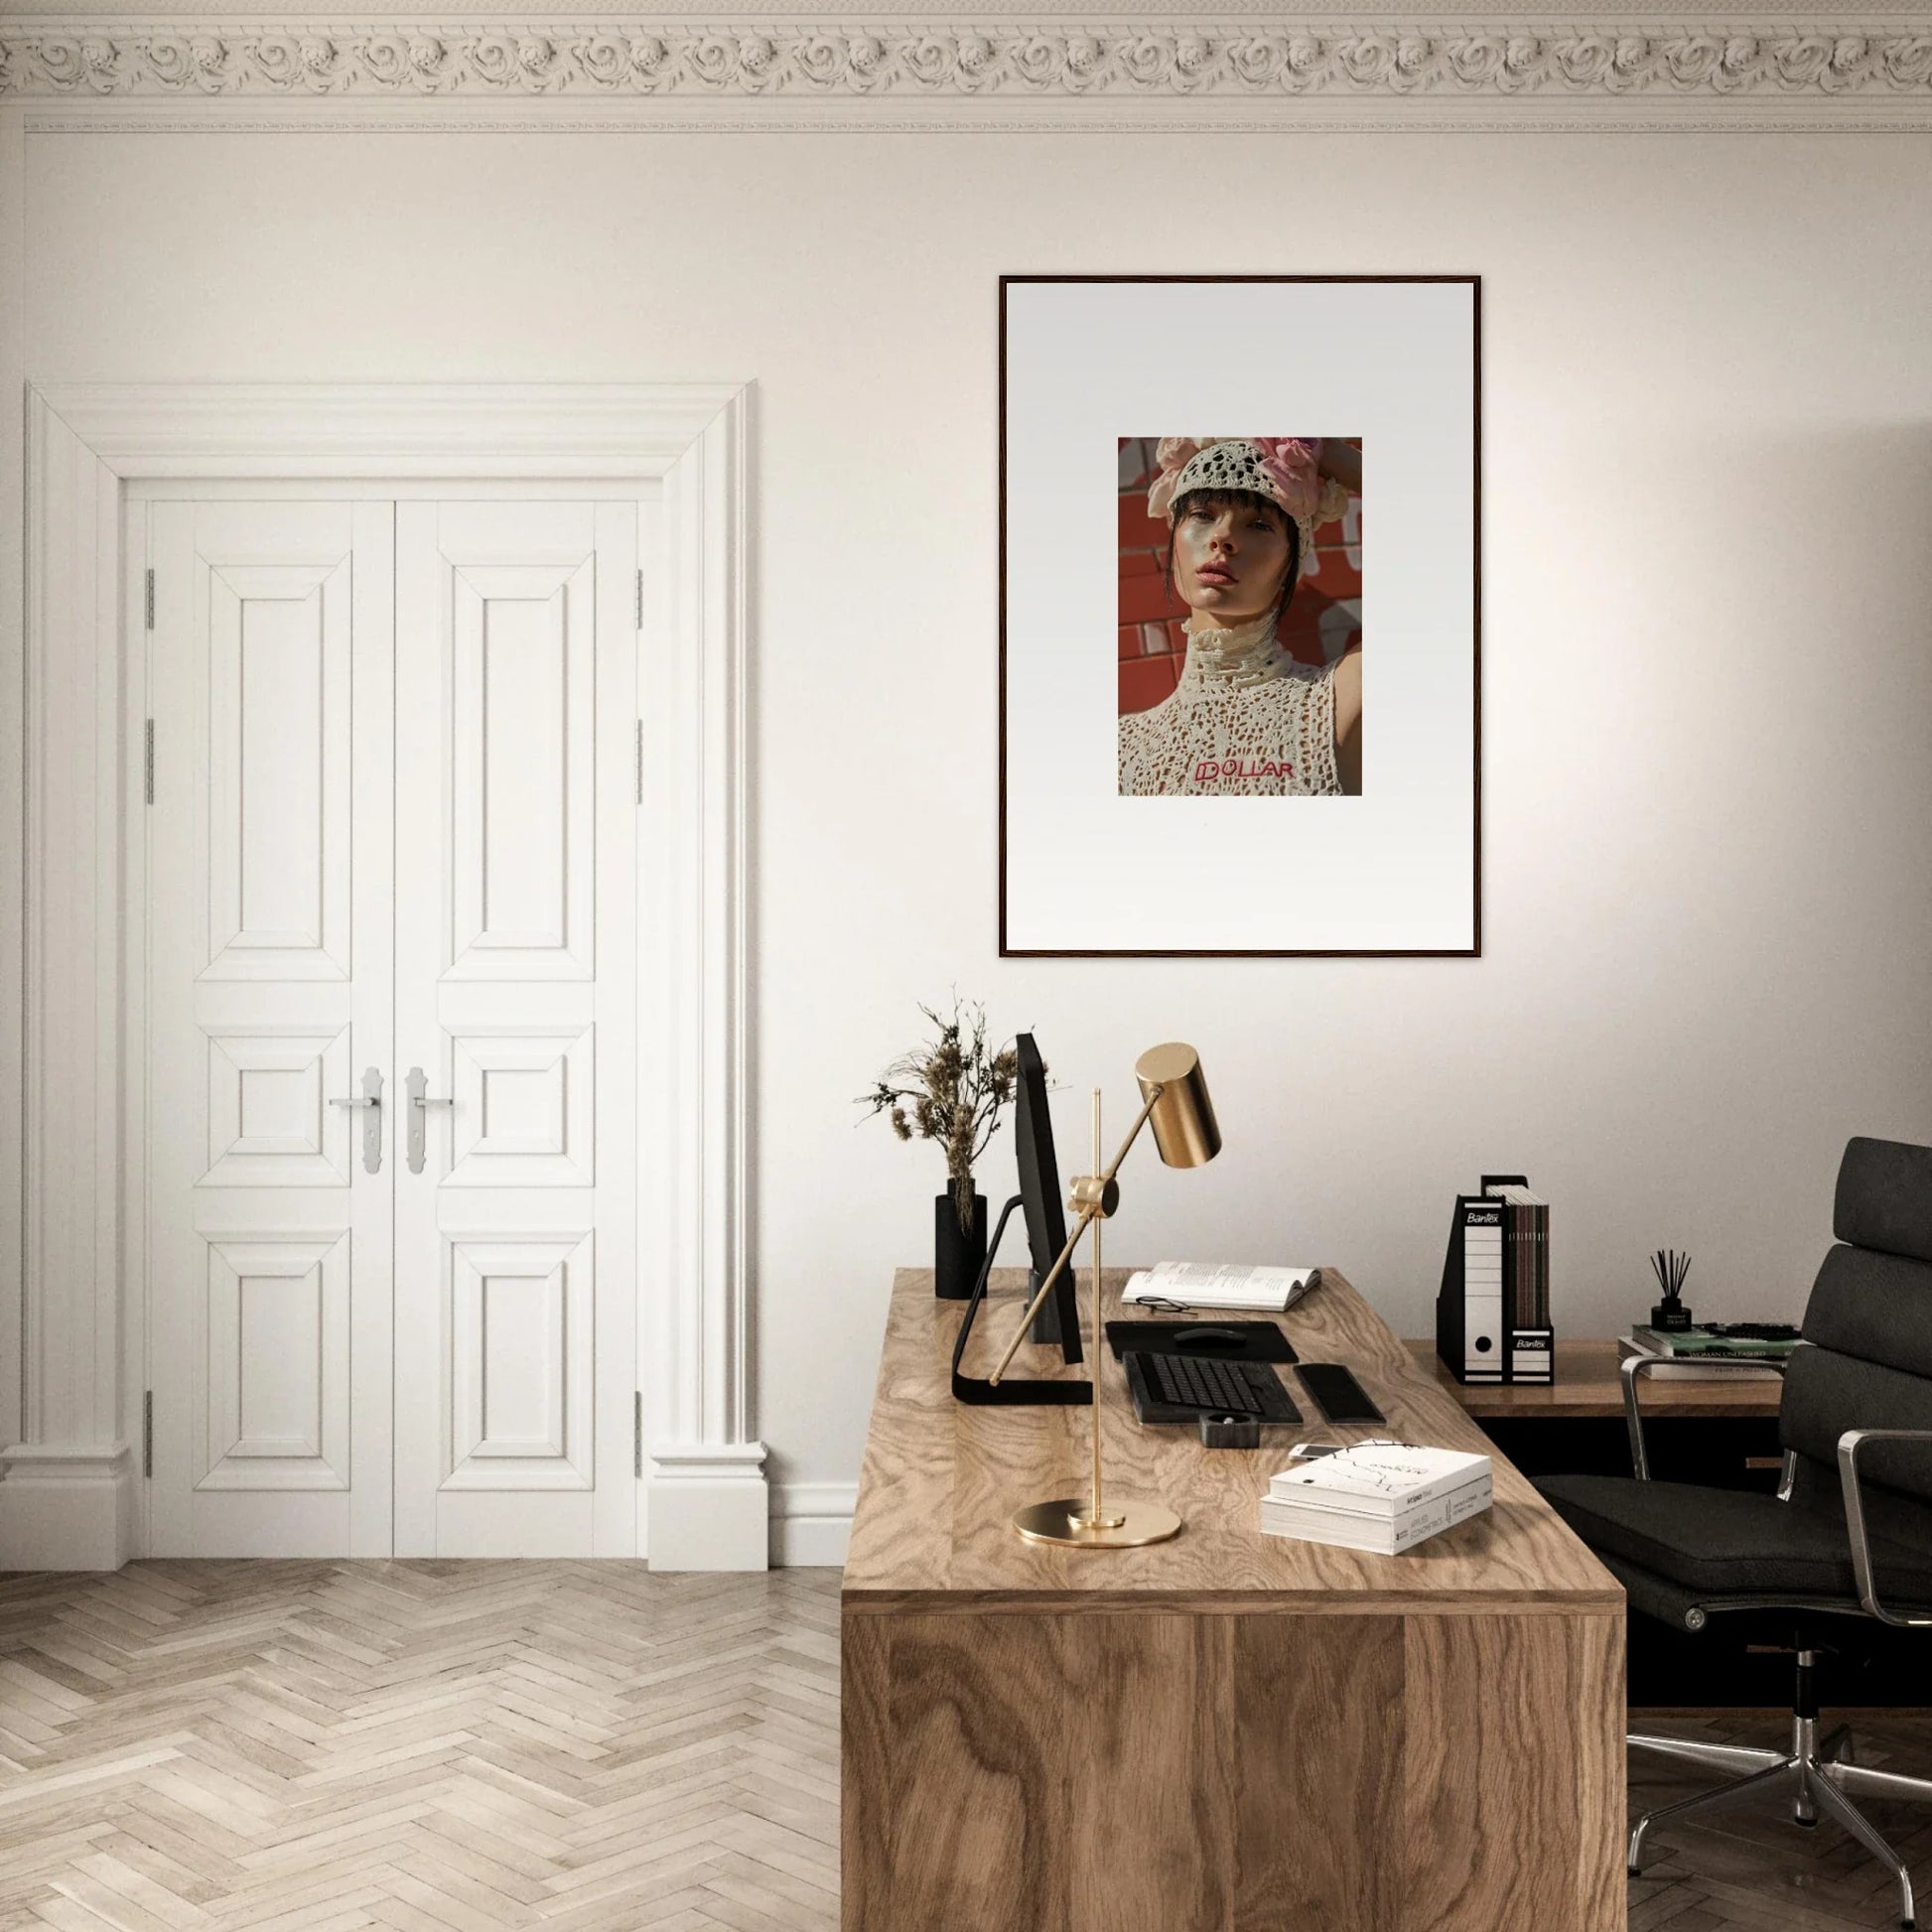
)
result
[(710, 1508), (73, 1509), (65, 1506), (812, 1523)]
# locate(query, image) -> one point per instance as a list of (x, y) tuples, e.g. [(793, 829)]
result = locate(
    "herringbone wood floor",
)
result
[(442, 1746), (314, 1746)]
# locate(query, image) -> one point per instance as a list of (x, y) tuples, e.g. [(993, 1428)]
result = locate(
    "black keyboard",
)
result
[(1216, 1388)]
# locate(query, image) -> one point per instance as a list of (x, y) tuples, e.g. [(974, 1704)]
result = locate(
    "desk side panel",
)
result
[(1148, 1772)]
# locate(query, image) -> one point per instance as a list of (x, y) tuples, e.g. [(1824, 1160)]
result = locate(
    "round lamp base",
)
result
[(1063, 1521)]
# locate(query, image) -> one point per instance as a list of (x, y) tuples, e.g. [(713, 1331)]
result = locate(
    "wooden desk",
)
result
[(1227, 1732), (1588, 1386)]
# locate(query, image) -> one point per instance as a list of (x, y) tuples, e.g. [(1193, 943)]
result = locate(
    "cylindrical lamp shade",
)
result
[(1183, 1119)]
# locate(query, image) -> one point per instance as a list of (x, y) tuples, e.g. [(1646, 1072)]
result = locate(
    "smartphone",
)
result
[(1336, 1393)]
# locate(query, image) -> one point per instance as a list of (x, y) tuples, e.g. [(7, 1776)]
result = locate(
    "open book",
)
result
[(1212, 1285)]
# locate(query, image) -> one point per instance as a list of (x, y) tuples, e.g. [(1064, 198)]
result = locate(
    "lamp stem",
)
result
[(1053, 1275), (1087, 1215)]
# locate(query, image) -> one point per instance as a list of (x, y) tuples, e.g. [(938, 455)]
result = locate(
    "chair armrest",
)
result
[(1849, 1446), (1633, 1367)]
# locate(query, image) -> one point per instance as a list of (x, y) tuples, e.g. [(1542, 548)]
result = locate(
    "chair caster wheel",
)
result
[(1633, 1871), (1809, 1823)]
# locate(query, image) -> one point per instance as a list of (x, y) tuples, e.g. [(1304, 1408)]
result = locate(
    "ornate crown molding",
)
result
[(1124, 62)]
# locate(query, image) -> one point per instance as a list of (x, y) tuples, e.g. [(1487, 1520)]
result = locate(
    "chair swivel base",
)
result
[(1818, 1774)]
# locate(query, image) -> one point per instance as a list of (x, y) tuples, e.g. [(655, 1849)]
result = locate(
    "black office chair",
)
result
[(1849, 1536)]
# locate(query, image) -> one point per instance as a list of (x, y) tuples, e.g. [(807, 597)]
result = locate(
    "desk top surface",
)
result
[(941, 1478), (1588, 1385)]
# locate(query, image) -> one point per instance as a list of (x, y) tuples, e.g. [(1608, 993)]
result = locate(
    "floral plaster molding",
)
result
[(1227, 72), (63, 58)]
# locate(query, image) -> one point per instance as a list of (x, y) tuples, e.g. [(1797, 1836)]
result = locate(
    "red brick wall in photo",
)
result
[(1323, 620)]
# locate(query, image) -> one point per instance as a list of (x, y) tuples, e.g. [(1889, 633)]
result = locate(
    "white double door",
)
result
[(391, 859)]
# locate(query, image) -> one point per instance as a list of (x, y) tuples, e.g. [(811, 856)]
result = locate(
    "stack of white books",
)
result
[(1380, 1496), (1217, 1284)]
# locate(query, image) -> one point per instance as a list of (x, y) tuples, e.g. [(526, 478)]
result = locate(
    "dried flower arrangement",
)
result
[(952, 1091)]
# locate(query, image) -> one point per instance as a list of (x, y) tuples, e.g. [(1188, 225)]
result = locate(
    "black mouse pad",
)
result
[(1236, 1342)]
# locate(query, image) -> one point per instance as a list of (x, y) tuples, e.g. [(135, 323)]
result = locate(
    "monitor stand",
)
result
[(1012, 1391)]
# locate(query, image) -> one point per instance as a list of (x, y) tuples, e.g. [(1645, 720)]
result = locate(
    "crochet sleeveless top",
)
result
[(1245, 721)]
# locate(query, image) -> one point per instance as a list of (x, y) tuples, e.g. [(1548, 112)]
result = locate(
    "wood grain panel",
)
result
[(978, 1790), (865, 1775), (1513, 1774), (1078, 1773), (1319, 1737), (1599, 1716), (941, 1481), (1154, 1784)]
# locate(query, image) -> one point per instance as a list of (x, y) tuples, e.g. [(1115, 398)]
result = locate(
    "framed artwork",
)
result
[(1240, 674)]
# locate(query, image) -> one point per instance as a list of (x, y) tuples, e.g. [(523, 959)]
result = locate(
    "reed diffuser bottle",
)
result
[(1670, 1315)]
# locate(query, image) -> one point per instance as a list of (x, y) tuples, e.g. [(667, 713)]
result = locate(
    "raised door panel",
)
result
[(522, 901), (269, 996), (520, 1362), (278, 769), (277, 1354), (270, 1121), (523, 1107)]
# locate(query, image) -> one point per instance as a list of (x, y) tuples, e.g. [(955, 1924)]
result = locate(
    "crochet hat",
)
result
[(1283, 468)]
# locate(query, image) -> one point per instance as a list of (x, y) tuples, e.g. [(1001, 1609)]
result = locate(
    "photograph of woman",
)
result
[(1246, 716)]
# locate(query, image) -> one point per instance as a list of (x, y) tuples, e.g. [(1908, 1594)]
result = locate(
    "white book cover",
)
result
[(1383, 1478)]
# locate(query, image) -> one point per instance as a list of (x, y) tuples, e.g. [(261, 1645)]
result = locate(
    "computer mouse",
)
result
[(1207, 1337)]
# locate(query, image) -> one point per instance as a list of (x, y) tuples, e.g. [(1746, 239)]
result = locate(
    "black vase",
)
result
[(958, 1254)]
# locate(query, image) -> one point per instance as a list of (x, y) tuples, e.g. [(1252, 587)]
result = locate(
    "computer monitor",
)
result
[(1039, 1195), (1038, 1199)]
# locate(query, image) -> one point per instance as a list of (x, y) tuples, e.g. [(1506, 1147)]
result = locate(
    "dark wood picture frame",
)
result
[(1474, 949)]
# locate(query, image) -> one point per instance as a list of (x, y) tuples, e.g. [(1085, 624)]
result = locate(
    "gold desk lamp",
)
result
[(1175, 1101)]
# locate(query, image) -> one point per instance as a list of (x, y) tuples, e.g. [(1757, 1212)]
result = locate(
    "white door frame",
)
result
[(71, 1459)]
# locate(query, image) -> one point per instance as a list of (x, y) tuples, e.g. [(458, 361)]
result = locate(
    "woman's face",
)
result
[(1230, 556)]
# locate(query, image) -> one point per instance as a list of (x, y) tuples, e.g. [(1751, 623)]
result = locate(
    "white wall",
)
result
[(1707, 799)]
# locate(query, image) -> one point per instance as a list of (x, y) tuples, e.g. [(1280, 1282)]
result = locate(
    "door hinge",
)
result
[(147, 764), (150, 599), (637, 1433), (147, 1434), (641, 598), (641, 761)]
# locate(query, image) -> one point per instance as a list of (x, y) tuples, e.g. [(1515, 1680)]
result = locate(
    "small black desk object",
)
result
[(1224, 1341), (1340, 1398)]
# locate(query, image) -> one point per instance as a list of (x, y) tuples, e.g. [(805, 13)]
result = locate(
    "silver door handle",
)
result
[(371, 1098), (420, 1102)]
